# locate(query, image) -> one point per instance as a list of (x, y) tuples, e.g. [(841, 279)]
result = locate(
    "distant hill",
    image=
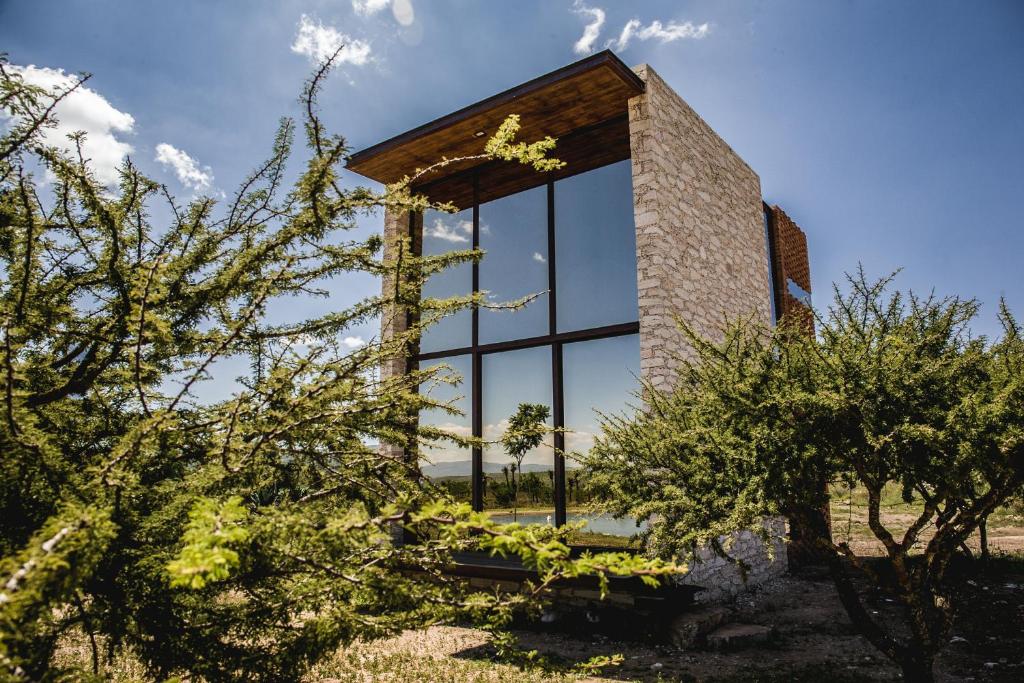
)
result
[(462, 468)]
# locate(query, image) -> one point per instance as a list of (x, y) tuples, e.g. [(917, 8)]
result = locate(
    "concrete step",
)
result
[(689, 629)]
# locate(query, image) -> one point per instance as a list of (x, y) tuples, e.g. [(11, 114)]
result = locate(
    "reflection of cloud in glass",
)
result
[(598, 376), (517, 235), (445, 451), (457, 231), (444, 233)]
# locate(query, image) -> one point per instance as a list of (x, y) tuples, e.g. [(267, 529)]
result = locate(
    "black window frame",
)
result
[(555, 339)]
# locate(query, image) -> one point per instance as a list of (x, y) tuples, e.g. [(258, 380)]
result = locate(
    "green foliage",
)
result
[(893, 390), (501, 146), (207, 555), (236, 539), (526, 430)]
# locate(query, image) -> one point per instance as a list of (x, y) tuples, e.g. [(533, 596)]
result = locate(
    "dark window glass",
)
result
[(514, 233), (511, 378), (599, 376), (444, 462), (442, 233), (771, 268), (595, 242)]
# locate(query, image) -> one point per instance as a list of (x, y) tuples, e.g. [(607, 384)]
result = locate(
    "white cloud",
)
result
[(539, 257), (88, 111), (353, 342), (460, 232), (318, 42), (662, 33), (366, 8), (185, 167), (401, 10), (585, 45)]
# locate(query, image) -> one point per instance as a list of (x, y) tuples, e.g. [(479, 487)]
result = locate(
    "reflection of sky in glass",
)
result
[(514, 233), (798, 292), (596, 248), (511, 378), (444, 232), (598, 375), (457, 424)]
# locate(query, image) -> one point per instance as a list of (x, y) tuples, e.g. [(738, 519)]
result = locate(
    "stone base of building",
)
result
[(721, 579)]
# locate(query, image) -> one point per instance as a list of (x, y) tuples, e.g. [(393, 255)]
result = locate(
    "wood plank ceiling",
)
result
[(583, 104)]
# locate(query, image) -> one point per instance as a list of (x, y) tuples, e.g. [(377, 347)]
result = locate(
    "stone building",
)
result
[(653, 217)]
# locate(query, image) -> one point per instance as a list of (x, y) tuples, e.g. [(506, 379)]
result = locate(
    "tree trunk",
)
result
[(807, 527), (983, 534), (918, 669)]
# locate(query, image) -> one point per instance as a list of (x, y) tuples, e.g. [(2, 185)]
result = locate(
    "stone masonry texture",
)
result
[(395, 320), (723, 578), (701, 252)]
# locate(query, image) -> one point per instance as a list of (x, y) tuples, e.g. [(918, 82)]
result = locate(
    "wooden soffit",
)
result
[(577, 97)]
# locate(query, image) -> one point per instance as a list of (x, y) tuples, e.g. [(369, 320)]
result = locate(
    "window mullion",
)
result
[(476, 410)]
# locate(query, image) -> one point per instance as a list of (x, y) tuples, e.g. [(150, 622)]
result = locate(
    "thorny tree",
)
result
[(247, 538), (892, 392)]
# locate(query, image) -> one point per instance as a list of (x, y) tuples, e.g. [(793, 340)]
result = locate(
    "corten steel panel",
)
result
[(580, 95), (790, 262)]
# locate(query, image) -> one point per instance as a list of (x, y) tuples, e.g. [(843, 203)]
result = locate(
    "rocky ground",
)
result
[(810, 640)]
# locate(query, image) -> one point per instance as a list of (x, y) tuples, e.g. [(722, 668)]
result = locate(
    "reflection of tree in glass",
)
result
[(526, 430)]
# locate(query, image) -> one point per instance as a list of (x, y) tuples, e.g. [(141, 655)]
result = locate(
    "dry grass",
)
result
[(850, 522), (458, 655), (417, 656)]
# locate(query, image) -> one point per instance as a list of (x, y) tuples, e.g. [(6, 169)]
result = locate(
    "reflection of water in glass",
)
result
[(601, 523)]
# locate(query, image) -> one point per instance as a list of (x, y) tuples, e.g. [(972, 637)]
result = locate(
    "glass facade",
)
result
[(598, 377), (447, 463), (574, 347), (443, 233), (514, 235), (596, 257)]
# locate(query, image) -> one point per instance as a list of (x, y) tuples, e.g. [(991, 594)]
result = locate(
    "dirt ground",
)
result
[(813, 641)]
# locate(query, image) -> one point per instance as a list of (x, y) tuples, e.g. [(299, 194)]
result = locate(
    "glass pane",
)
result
[(596, 248), (511, 378), (598, 376), (448, 464), (514, 233), (444, 232)]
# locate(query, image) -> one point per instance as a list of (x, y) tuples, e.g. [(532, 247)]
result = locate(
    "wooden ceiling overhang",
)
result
[(583, 106)]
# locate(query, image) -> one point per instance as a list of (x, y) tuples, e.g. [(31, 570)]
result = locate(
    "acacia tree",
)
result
[(241, 539), (892, 392), (526, 430)]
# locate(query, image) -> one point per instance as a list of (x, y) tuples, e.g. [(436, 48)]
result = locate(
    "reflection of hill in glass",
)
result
[(462, 468)]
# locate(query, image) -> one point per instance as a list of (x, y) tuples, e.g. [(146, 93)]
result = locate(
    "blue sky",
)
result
[(892, 132)]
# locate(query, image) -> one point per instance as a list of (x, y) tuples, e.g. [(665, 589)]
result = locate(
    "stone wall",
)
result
[(701, 257), (723, 579), (395, 320), (701, 252)]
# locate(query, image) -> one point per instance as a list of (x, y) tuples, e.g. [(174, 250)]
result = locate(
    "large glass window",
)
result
[(514, 233), (599, 377), (443, 233), (595, 244), (511, 378), (586, 360), (446, 463)]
